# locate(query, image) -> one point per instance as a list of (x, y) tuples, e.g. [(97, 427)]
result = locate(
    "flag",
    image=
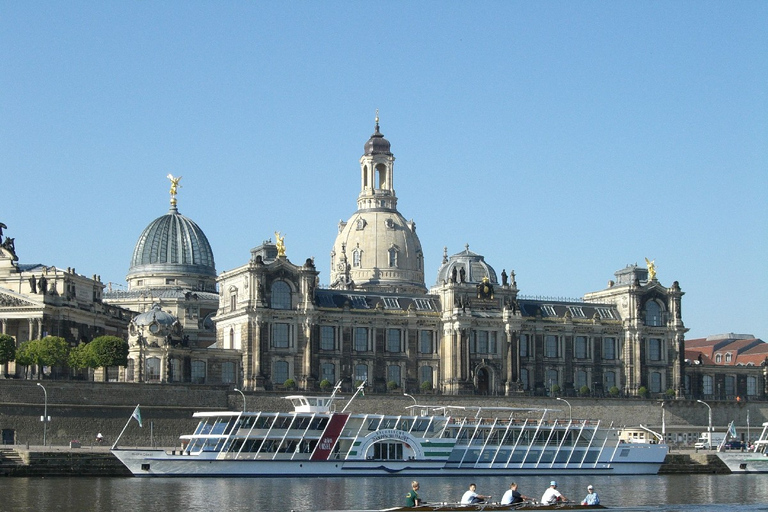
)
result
[(137, 415)]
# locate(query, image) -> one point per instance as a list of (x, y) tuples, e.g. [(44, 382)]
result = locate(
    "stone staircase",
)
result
[(10, 461)]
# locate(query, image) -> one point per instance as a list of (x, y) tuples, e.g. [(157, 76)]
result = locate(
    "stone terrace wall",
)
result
[(79, 410)]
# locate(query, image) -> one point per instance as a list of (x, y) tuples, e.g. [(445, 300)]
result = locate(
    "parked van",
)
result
[(709, 440)]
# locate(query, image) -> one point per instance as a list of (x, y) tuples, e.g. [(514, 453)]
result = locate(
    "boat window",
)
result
[(264, 422), (302, 423), (388, 423), (388, 451), (282, 423), (373, 424), (548, 455), (517, 456), (318, 424), (421, 426), (591, 456)]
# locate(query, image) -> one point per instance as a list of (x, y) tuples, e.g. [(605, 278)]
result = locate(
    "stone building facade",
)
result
[(468, 334), (39, 300)]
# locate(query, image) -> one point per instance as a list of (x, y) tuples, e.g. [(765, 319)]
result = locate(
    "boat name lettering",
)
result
[(391, 434)]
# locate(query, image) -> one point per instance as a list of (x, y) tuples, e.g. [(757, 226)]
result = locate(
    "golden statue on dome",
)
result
[(174, 188)]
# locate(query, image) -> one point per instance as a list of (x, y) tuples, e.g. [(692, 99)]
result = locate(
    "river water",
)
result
[(683, 493)]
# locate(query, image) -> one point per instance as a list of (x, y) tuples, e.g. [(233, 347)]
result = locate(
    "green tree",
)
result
[(426, 386), (555, 389), (108, 351), (289, 384), (584, 390), (7, 348), (80, 357), (325, 384), (613, 391), (49, 351), (392, 385), (643, 392)]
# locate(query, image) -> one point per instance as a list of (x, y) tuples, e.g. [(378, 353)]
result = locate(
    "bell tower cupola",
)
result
[(377, 174)]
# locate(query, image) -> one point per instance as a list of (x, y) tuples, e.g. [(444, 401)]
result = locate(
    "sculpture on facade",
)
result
[(280, 244), (651, 269)]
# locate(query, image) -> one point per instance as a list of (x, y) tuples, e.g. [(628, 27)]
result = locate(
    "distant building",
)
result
[(39, 300), (726, 367), (469, 333), (172, 287)]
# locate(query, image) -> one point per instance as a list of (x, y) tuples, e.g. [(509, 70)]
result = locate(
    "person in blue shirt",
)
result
[(592, 498)]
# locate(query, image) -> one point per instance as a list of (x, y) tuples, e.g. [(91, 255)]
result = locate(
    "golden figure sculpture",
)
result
[(651, 269), (280, 244), (174, 187)]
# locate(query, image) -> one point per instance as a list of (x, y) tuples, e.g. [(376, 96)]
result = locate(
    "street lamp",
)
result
[(45, 418), (710, 416), (243, 395), (570, 410), (411, 397)]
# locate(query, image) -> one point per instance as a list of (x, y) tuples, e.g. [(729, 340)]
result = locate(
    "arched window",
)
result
[(728, 357), (281, 295), (357, 256), (552, 379), (174, 370), (393, 374), (393, 257), (653, 314), (129, 371), (152, 369), (718, 358), (581, 379)]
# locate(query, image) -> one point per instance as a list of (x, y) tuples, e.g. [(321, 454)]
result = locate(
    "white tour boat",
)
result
[(748, 461), (316, 440)]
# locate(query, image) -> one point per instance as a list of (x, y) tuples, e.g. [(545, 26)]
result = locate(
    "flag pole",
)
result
[(125, 427)]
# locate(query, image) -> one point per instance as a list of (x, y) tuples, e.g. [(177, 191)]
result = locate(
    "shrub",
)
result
[(426, 386), (555, 389), (613, 391), (584, 390), (358, 383), (642, 392), (289, 384), (325, 384), (670, 393), (391, 385)]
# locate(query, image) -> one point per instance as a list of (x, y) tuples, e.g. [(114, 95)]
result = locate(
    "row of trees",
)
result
[(101, 352)]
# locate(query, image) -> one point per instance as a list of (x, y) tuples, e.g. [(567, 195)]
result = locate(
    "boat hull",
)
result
[(149, 463), (745, 462)]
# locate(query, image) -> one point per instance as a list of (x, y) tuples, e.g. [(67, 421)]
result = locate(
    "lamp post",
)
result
[(570, 410), (710, 416), (411, 397), (44, 419), (243, 395)]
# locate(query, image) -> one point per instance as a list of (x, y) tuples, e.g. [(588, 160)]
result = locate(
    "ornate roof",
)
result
[(172, 244), (474, 266)]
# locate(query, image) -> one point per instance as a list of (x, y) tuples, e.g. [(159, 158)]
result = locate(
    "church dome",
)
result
[(378, 250), (157, 321), (172, 245), (474, 266)]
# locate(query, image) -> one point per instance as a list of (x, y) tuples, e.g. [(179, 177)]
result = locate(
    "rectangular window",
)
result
[(327, 337), (576, 311), (655, 382), (654, 349), (233, 302), (609, 349), (610, 380), (393, 340), (198, 372), (481, 342), (548, 310), (524, 378), (425, 375), (391, 303), (280, 372), (361, 373), (425, 342), (581, 379), (751, 386), (580, 347), (730, 386), (706, 385), (361, 339), (523, 345), (280, 333), (393, 374), (492, 342), (550, 346), (328, 372), (228, 372)]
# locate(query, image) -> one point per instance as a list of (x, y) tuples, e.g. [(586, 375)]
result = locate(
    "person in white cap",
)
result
[(592, 498), (552, 495)]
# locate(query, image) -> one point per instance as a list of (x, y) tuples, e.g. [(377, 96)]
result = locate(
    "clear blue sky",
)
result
[(561, 140)]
